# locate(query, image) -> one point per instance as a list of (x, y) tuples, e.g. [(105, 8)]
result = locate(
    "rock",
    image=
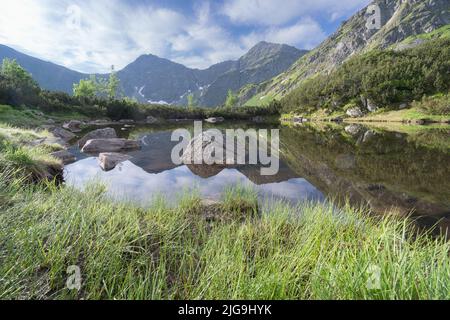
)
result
[(100, 122), (258, 119), (206, 171), (368, 136), (109, 145), (65, 156), (109, 161), (126, 121), (211, 209), (353, 129), (151, 120), (298, 119), (355, 112), (197, 150), (371, 106), (63, 134), (128, 126), (50, 121), (420, 122), (107, 133), (215, 120), (403, 106), (73, 125), (48, 127)]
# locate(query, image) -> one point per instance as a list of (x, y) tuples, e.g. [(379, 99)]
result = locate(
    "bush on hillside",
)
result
[(387, 78)]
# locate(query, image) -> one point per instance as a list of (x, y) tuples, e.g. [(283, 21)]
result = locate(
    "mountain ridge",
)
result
[(152, 79), (400, 19)]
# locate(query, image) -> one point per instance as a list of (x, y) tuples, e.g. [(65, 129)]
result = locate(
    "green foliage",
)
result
[(17, 75), (16, 85), (434, 105), (387, 78), (183, 252), (93, 98), (86, 88), (192, 103), (113, 85), (231, 100)]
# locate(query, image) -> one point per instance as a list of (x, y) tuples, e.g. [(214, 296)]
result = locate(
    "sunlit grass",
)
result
[(311, 251)]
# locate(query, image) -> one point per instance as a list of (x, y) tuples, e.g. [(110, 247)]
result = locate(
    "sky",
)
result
[(92, 35)]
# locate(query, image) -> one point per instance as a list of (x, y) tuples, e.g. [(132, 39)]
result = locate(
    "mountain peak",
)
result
[(400, 19)]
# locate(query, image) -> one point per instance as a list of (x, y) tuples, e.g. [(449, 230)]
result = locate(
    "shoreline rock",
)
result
[(109, 160), (65, 156), (106, 133), (110, 145), (63, 134)]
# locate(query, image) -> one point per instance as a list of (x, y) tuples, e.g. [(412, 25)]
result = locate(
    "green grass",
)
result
[(232, 250), (404, 116), (21, 153), (124, 252), (30, 118), (441, 33)]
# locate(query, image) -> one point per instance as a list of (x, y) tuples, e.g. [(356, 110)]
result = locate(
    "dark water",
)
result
[(405, 169)]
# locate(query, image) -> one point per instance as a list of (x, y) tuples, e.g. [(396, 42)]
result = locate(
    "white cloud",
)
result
[(276, 12), (305, 34), (109, 32), (114, 32)]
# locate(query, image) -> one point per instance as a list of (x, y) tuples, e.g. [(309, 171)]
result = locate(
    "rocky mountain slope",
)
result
[(400, 20), (152, 79), (261, 63)]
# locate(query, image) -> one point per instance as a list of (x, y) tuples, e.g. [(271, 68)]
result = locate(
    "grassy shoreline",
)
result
[(411, 116), (235, 249)]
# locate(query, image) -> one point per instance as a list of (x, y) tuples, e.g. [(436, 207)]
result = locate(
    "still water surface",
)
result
[(404, 168)]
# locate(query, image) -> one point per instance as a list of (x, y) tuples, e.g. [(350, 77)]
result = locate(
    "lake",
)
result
[(405, 169)]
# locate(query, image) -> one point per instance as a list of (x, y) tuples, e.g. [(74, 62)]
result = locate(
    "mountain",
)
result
[(400, 20), (262, 62), (152, 79), (50, 76), (157, 80)]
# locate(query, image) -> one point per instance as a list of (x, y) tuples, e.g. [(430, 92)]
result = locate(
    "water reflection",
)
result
[(132, 183), (405, 169)]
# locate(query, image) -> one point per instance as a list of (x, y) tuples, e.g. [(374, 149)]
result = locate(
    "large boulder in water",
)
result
[(110, 145), (108, 161), (199, 150), (107, 133)]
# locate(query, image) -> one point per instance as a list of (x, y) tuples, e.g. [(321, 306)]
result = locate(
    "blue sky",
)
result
[(92, 35)]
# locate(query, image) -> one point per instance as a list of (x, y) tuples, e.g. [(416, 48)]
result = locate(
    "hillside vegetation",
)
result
[(404, 24), (386, 78)]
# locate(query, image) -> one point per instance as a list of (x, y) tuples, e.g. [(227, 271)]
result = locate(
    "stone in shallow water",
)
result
[(109, 145), (106, 133), (65, 156), (215, 120), (63, 134), (73, 125), (110, 160)]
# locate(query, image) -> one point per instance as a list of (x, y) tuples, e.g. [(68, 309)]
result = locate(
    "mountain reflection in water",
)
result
[(406, 170)]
